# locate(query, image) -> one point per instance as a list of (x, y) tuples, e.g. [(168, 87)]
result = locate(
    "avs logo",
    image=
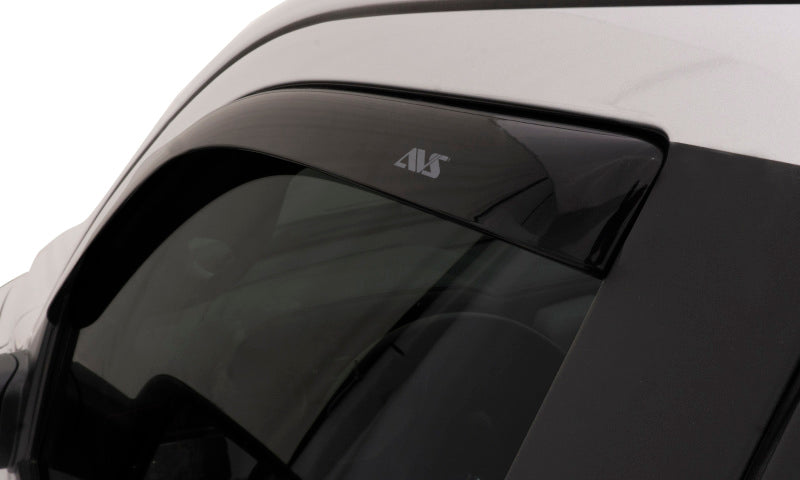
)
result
[(415, 161)]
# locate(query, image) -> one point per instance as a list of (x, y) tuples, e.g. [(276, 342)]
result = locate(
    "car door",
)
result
[(347, 283)]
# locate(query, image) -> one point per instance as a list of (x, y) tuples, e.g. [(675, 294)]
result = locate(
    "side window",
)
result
[(296, 326)]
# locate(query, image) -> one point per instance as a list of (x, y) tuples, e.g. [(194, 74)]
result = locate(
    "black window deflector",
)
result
[(564, 191)]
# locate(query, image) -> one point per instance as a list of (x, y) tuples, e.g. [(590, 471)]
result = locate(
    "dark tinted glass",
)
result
[(297, 326)]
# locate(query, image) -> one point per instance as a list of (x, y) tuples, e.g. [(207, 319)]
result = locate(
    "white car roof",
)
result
[(723, 77)]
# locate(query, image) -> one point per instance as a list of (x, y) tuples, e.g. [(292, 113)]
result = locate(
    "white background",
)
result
[(81, 85)]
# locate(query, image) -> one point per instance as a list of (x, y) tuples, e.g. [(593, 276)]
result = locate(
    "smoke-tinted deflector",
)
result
[(563, 191), (566, 192)]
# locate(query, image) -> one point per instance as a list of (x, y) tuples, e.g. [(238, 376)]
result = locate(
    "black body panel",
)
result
[(785, 461), (693, 337)]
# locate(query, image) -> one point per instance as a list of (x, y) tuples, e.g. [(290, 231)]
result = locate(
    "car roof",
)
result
[(722, 77)]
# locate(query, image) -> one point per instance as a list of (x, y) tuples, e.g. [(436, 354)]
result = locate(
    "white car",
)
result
[(436, 240)]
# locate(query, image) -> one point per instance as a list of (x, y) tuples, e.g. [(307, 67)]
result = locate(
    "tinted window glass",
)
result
[(297, 326)]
